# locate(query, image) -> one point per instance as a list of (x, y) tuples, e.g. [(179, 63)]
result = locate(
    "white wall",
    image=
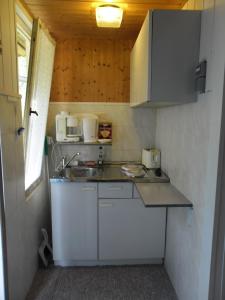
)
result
[(188, 136), (133, 129)]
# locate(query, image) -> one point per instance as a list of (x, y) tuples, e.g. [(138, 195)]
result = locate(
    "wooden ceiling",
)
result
[(72, 18)]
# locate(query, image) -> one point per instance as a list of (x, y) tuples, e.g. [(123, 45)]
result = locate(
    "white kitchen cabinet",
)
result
[(115, 190), (74, 222), (128, 230), (164, 58), (110, 230)]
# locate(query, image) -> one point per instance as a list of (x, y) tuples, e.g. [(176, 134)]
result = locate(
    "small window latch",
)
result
[(33, 112), (20, 130)]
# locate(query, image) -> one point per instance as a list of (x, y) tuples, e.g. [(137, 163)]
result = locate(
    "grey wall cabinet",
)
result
[(164, 57), (74, 221)]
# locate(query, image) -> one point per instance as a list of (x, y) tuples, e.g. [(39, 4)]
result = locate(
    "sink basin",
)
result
[(79, 172)]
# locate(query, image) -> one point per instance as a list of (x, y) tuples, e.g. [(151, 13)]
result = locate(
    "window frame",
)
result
[(31, 28), (24, 22), (29, 85), (37, 25), (23, 29)]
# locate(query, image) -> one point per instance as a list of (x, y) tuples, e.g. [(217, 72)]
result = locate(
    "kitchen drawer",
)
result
[(115, 190)]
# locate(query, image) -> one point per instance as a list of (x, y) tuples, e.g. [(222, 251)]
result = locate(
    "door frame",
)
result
[(3, 228), (217, 272)]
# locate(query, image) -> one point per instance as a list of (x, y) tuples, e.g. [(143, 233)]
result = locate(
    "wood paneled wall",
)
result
[(92, 70), (194, 4)]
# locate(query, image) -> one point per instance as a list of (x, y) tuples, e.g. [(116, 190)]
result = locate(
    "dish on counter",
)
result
[(104, 141), (140, 173), (133, 170), (130, 167)]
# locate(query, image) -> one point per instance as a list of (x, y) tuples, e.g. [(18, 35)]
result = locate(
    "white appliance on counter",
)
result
[(90, 128), (151, 158), (68, 127)]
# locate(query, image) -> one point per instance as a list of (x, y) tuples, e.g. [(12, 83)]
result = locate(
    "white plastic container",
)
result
[(90, 128), (60, 123)]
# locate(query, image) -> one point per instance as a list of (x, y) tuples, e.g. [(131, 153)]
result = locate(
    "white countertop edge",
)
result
[(162, 194)]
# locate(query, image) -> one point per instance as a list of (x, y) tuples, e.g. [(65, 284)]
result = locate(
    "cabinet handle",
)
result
[(115, 188), (105, 204), (88, 188)]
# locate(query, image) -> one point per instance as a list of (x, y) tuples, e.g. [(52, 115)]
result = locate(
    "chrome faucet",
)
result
[(65, 164), (70, 160)]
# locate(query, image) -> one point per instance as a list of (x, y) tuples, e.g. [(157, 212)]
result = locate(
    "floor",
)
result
[(102, 283)]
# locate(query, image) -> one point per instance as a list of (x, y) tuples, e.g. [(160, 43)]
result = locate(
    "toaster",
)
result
[(151, 158)]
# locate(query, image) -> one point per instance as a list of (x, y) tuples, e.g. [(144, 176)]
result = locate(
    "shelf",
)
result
[(83, 143), (162, 194)]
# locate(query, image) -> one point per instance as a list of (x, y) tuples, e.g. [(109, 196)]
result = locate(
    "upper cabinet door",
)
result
[(164, 58), (140, 64), (8, 63)]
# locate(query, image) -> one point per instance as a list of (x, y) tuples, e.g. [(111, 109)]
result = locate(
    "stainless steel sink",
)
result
[(103, 173), (79, 172)]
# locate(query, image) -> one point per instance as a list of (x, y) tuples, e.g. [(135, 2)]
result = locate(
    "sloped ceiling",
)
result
[(71, 18)]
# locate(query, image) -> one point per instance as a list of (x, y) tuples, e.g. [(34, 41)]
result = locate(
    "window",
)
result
[(23, 32), (35, 52), (40, 76)]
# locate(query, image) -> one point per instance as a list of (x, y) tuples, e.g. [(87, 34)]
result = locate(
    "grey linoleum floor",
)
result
[(102, 283)]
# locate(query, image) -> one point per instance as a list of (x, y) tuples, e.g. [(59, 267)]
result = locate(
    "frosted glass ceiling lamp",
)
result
[(109, 16)]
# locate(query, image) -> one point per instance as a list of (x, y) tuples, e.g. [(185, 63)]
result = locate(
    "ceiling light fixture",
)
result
[(109, 16)]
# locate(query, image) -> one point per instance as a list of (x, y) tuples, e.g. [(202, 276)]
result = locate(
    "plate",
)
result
[(140, 173), (104, 141), (132, 168)]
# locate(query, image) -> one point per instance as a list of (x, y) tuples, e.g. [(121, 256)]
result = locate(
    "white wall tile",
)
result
[(133, 129)]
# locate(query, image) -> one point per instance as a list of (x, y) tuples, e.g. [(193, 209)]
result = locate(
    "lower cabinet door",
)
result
[(129, 230), (74, 221)]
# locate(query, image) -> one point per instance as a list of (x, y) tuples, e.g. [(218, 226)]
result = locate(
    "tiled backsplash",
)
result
[(133, 129)]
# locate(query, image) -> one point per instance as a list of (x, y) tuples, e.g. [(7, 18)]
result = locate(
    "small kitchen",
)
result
[(104, 165), (128, 112)]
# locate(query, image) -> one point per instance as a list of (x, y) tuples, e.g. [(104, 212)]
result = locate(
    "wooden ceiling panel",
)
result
[(73, 18)]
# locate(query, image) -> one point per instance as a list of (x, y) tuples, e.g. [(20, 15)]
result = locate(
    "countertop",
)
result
[(162, 194), (155, 191), (113, 173)]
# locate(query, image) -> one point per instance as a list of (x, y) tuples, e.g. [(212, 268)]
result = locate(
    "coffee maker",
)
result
[(68, 127)]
